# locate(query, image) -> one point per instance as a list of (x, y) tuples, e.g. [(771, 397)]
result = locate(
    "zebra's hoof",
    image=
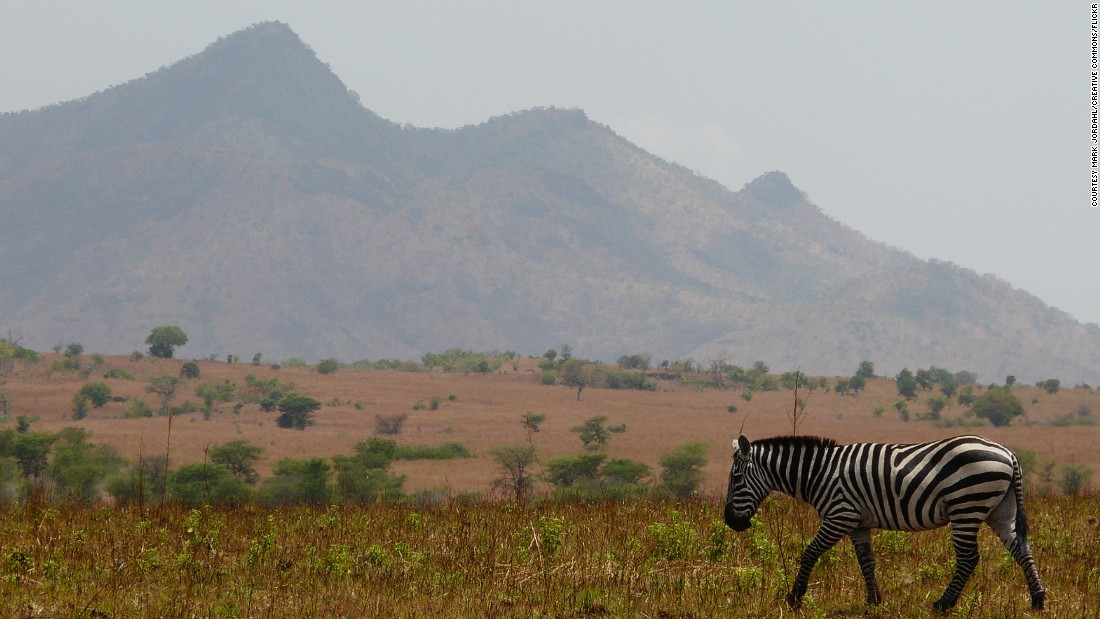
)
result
[(942, 606), (1038, 599), (794, 602)]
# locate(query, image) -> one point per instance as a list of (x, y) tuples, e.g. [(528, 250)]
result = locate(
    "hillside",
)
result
[(246, 195), (486, 412)]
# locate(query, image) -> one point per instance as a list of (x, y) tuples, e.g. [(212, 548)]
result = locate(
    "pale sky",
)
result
[(956, 131)]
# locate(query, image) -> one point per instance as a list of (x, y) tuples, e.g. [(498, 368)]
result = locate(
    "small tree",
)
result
[(165, 389), (328, 366), (80, 406), (297, 411), (625, 472), (74, 349), (593, 433), (1075, 478), (515, 462), (208, 484), (163, 341), (239, 457), (907, 384), (97, 392), (936, 405), (389, 424), (532, 421), (79, 467), (1050, 385), (865, 370), (579, 374), (682, 469), (999, 405), (568, 470), (190, 370)]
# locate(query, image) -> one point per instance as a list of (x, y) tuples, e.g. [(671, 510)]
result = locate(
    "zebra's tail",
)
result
[(1021, 514)]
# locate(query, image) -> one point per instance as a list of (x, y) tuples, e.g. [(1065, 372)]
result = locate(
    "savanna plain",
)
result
[(461, 544)]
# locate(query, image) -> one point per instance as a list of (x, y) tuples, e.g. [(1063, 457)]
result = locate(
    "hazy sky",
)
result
[(957, 131)]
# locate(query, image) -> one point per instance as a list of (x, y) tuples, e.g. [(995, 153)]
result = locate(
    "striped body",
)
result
[(961, 481)]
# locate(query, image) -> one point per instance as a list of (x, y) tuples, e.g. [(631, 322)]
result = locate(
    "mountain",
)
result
[(245, 195)]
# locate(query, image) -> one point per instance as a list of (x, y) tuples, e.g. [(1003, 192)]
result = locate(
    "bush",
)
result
[(998, 405), (118, 373), (208, 484), (297, 411), (328, 366), (446, 451), (1050, 385), (532, 421), (139, 408), (567, 470), (98, 393), (1075, 478), (389, 424), (189, 370), (682, 469), (297, 482), (80, 406)]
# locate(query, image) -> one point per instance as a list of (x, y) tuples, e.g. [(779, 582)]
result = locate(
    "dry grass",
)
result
[(640, 559), (486, 414)]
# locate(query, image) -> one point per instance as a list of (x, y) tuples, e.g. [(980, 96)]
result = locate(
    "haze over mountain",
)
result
[(247, 196)]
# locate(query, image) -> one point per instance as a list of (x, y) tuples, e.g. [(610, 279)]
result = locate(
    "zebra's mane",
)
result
[(797, 441)]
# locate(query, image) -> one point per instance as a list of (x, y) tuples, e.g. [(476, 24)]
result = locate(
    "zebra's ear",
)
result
[(742, 446)]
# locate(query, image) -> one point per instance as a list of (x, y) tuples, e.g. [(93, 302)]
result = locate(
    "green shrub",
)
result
[(328, 366), (682, 469), (118, 373)]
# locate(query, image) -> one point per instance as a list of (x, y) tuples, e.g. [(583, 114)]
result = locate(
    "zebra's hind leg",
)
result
[(1009, 522), (965, 538), (861, 539)]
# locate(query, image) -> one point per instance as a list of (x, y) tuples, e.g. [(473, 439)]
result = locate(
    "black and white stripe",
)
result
[(961, 481)]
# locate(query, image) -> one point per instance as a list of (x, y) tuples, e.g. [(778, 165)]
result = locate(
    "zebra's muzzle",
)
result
[(736, 521)]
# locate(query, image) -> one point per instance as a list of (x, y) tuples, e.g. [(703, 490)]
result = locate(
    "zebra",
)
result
[(962, 481)]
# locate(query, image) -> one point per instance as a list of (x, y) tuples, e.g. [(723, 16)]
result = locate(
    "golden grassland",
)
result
[(459, 559), (475, 558), (486, 411)]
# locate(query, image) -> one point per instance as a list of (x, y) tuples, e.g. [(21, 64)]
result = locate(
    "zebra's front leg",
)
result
[(965, 539), (861, 539), (827, 537)]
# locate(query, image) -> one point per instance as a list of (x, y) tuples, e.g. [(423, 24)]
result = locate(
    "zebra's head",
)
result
[(745, 490)]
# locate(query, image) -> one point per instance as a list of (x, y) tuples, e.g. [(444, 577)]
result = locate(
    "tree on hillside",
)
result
[(78, 467), (163, 341), (579, 374), (593, 433), (202, 484), (239, 457), (532, 421), (866, 369), (998, 404), (165, 389), (907, 384), (515, 462), (98, 393), (297, 411), (1050, 385), (682, 469)]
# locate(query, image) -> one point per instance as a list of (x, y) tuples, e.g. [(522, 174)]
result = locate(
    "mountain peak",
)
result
[(774, 189)]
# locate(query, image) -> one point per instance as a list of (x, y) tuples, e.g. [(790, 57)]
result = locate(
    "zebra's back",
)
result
[(923, 486)]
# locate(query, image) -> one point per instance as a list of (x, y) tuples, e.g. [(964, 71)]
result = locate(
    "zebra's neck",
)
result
[(797, 467)]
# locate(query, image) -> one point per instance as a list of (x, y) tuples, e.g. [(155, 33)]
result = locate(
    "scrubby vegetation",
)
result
[(460, 557)]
